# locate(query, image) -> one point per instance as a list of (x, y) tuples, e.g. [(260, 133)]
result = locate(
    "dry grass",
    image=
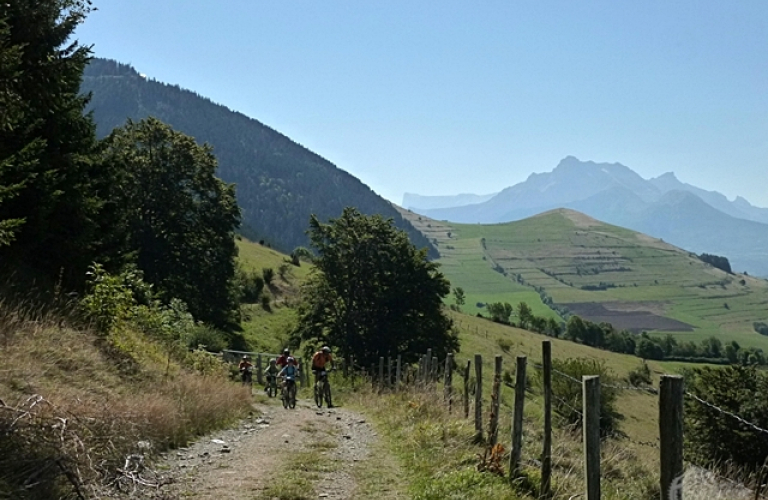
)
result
[(78, 413)]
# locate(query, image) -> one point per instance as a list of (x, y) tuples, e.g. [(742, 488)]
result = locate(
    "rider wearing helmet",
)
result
[(282, 361), (271, 371), (319, 361), (290, 372), (245, 368)]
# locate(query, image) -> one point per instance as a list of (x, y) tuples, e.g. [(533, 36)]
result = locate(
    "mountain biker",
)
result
[(319, 360), (289, 373), (282, 361), (245, 368), (271, 371)]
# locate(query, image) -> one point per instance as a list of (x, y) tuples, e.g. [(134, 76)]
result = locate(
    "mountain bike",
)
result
[(271, 386), (322, 389), (247, 376), (289, 394)]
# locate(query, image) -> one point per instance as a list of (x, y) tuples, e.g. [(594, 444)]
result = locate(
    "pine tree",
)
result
[(46, 142)]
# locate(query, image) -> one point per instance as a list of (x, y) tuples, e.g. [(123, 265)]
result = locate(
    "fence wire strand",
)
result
[(726, 412)]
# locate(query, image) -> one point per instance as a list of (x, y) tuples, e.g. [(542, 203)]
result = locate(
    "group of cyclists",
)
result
[(287, 368)]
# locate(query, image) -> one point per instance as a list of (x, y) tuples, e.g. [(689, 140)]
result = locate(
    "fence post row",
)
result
[(546, 455), (671, 392), (493, 429), (448, 381), (517, 420), (591, 427), (479, 396), (466, 389), (433, 370), (389, 372)]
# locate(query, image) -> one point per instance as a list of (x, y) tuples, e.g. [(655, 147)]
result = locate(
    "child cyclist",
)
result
[(289, 373), (271, 372)]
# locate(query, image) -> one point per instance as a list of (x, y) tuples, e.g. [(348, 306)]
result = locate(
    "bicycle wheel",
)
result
[(318, 395), (284, 397), (292, 396), (327, 394)]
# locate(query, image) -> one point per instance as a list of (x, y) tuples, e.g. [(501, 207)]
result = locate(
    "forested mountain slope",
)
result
[(279, 183)]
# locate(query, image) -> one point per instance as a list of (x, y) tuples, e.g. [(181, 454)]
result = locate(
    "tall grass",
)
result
[(73, 419)]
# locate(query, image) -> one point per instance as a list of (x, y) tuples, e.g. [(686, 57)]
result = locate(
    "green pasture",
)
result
[(566, 253)]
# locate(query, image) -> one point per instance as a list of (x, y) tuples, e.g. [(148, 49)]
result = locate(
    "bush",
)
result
[(713, 438), (567, 393), (640, 376), (269, 274), (251, 286), (210, 338)]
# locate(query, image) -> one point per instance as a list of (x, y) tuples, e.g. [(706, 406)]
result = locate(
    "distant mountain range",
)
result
[(689, 217), (419, 202), (279, 183)]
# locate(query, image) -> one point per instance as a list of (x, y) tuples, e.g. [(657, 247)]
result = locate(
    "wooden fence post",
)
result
[(381, 373), (671, 436), (591, 427), (546, 455), (466, 389), (398, 372), (427, 366), (448, 381), (493, 429), (479, 396), (435, 368), (345, 367), (517, 420), (259, 370), (389, 372)]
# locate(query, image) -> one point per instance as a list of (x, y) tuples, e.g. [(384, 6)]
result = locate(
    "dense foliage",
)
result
[(146, 197), (46, 173), (714, 438), (172, 217), (372, 293), (717, 261), (279, 183)]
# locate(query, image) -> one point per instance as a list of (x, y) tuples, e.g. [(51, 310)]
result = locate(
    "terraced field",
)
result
[(592, 267)]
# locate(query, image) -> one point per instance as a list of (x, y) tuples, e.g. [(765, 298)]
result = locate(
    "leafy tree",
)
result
[(713, 438), (459, 297), (173, 217), (717, 261), (372, 292), (648, 349), (46, 140), (500, 311), (525, 314)]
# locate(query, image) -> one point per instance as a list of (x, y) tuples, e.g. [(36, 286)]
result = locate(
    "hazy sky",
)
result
[(450, 97)]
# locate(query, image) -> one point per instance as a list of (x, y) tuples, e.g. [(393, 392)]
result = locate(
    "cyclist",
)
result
[(245, 368), (289, 373), (319, 360), (282, 361), (271, 372)]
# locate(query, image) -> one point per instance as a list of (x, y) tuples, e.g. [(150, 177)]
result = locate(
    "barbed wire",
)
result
[(647, 390), (726, 412)]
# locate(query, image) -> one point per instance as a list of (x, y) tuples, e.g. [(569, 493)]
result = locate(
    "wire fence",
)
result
[(668, 444)]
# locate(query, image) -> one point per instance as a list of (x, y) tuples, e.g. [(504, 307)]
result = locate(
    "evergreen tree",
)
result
[(372, 293), (171, 216), (46, 141)]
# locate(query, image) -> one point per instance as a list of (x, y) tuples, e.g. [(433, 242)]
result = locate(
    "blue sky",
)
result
[(452, 97)]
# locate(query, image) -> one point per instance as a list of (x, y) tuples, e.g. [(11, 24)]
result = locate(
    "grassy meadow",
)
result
[(569, 256)]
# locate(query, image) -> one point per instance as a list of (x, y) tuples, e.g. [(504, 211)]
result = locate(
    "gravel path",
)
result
[(235, 464)]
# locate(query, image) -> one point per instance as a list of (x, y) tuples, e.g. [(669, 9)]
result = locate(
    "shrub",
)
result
[(640, 376), (269, 274), (713, 438), (567, 393), (208, 337)]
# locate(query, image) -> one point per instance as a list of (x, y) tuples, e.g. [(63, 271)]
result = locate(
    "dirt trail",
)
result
[(238, 463)]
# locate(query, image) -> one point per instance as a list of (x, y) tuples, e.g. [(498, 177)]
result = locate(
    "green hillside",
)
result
[(600, 272), (279, 183)]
